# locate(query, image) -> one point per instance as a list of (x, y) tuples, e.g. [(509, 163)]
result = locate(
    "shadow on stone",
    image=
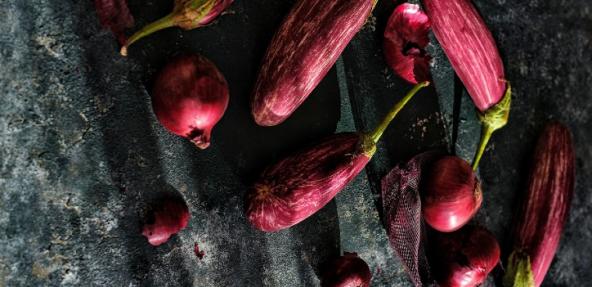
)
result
[(319, 240)]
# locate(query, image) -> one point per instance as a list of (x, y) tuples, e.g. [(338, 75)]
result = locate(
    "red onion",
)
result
[(451, 194), (348, 270), (189, 97), (405, 38), (463, 258), (168, 217), (200, 254)]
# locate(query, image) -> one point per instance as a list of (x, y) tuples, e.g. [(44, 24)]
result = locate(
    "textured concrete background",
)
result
[(82, 156)]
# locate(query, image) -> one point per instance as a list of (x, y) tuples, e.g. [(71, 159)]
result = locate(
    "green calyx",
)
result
[(519, 271), (370, 139), (186, 14), (368, 146), (192, 12), (492, 120)]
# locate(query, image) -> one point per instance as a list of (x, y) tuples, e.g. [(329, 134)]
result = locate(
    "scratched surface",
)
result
[(82, 155)]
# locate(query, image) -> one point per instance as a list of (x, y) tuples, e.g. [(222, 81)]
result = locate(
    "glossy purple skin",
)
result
[(545, 209), (348, 270), (305, 47), (190, 96), (470, 47), (298, 186)]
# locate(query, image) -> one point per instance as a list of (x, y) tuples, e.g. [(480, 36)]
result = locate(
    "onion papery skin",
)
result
[(348, 270), (168, 217), (405, 40), (451, 194), (189, 97), (463, 258)]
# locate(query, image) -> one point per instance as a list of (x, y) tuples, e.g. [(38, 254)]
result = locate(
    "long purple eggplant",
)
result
[(305, 47), (473, 54), (545, 209), (297, 186)]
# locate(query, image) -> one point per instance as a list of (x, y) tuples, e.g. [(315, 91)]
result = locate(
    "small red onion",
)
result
[(348, 270), (405, 40), (200, 254), (463, 258), (189, 97), (451, 194), (168, 217)]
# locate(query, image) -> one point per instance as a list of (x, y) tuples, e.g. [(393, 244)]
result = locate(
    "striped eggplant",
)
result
[(472, 52), (187, 14), (305, 47), (545, 209), (298, 186)]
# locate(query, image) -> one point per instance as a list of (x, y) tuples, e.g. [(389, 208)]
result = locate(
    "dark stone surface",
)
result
[(82, 155)]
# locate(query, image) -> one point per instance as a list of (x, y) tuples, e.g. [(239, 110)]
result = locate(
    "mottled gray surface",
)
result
[(82, 156)]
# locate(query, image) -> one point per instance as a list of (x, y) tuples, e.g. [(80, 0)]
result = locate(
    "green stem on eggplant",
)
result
[(519, 271), (375, 135), (492, 120), (162, 23)]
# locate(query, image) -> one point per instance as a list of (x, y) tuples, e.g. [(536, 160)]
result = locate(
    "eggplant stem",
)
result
[(377, 133), (162, 23), (492, 120), (374, 2), (519, 271), (486, 132)]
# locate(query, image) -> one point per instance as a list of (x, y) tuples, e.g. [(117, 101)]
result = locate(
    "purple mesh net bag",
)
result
[(402, 213)]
